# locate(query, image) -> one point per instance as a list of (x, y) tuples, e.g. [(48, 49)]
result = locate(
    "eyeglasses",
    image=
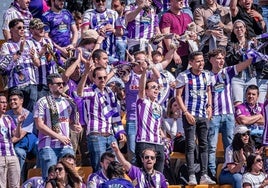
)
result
[(60, 83), (239, 27), (245, 134), (20, 27), (258, 160), (98, 1), (59, 169), (102, 77), (155, 87), (149, 157)]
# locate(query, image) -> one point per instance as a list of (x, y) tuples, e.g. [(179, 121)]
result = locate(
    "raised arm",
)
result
[(120, 157), (241, 66), (131, 15), (233, 8), (142, 83)]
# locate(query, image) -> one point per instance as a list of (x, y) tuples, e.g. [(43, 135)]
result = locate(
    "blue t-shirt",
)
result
[(116, 183)]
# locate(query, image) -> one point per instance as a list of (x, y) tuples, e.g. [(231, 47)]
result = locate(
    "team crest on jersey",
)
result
[(135, 182), (109, 15), (156, 111), (238, 112), (190, 82), (223, 76), (205, 80), (4, 131)]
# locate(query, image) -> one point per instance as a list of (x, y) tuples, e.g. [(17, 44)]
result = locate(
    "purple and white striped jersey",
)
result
[(66, 114), (139, 179), (265, 132), (166, 5), (222, 91), (97, 178), (149, 119), (101, 111), (13, 13), (21, 72), (7, 125), (96, 20), (143, 27), (58, 26), (46, 67), (195, 91), (132, 90)]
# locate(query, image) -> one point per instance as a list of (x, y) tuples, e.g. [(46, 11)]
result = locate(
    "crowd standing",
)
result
[(133, 81)]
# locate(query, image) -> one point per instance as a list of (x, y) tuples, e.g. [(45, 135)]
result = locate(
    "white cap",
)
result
[(241, 129)]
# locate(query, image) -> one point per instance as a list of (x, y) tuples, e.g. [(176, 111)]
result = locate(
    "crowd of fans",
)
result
[(143, 78)]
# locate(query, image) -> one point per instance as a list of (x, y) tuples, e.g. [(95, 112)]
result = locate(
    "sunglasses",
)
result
[(60, 83), (149, 157), (59, 169), (245, 134), (155, 87), (98, 1), (20, 27), (102, 77), (258, 160)]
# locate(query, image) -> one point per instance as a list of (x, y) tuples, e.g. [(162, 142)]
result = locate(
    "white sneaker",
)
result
[(192, 180), (205, 179)]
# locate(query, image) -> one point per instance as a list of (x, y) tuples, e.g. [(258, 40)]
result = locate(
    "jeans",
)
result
[(121, 47), (262, 84), (239, 86), (227, 177), (9, 171), (160, 156), (79, 143), (50, 156), (131, 140), (201, 131), (97, 145), (22, 154), (221, 123)]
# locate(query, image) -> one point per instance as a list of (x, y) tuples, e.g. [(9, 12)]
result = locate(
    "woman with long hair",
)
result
[(172, 125), (235, 157), (66, 176), (240, 43), (255, 177)]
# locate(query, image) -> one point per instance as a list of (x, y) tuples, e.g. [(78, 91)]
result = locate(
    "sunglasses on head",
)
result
[(59, 169), (60, 83), (149, 157)]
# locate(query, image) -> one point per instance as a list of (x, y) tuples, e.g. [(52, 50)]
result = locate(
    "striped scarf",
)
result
[(24, 12)]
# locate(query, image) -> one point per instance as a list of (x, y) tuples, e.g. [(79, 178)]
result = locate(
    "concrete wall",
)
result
[(4, 4)]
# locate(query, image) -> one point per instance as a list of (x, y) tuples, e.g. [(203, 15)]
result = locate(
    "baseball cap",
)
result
[(36, 23), (241, 129), (90, 33)]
